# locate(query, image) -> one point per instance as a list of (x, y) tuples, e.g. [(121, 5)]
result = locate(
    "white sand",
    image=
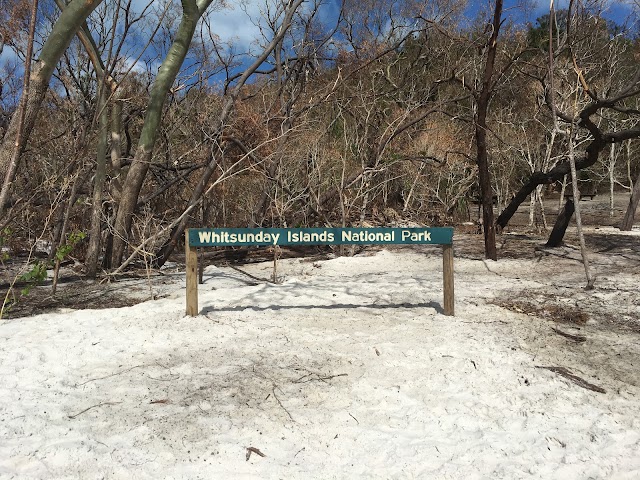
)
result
[(345, 370)]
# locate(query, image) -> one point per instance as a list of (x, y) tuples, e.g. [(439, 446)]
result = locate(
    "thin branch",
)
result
[(92, 407)]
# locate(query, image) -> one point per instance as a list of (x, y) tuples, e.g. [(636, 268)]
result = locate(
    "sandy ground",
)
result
[(345, 369)]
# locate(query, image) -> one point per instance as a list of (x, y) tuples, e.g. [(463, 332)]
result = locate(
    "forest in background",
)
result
[(136, 120)]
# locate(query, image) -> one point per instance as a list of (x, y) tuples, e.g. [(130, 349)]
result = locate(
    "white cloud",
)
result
[(238, 24)]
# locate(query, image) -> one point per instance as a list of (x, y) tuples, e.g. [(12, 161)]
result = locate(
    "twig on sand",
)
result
[(309, 377), (280, 403), (110, 375), (251, 450), (581, 382), (575, 338), (93, 406)]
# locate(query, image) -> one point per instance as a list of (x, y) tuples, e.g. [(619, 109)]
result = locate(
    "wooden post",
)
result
[(191, 261), (447, 279)]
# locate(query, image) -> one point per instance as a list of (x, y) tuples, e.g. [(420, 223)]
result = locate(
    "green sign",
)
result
[(231, 237)]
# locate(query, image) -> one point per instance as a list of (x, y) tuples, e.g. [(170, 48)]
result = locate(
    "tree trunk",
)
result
[(482, 159), (556, 173), (63, 232), (627, 222), (164, 81), (542, 214), (180, 225), (576, 196), (612, 165), (261, 209), (20, 126), (562, 192), (12, 168), (560, 227), (95, 234), (629, 165), (149, 134), (532, 208)]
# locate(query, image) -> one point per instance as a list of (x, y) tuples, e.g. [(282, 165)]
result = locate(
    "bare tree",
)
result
[(483, 98), (598, 103)]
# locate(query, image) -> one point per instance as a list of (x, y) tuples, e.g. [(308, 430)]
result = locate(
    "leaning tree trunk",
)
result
[(543, 178), (142, 159), (576, 196), (12, 168), (20, 127), (627, 222), (612, 178), (560, 227), (178, 230)]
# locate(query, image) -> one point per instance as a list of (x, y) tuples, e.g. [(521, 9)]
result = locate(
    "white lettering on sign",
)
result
[(365, 236), (226, 237), (317, 236), (416, 236), (327, 237)]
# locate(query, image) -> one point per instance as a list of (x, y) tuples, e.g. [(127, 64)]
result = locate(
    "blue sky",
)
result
[(238, 22), (529, 10)]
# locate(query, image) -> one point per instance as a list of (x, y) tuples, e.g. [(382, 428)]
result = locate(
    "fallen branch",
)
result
[(575, 338), (581, 382)]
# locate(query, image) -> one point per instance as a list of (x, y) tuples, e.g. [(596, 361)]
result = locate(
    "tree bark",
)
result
[(12, 168), (576, 196), (612, 179), (560, 227), (178, 230)]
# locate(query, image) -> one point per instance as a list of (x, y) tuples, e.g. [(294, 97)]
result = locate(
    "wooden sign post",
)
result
[(191, 261), (447, 279), (212, 237)]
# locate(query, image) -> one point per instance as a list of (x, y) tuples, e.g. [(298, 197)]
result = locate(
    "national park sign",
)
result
[(264, 237)]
